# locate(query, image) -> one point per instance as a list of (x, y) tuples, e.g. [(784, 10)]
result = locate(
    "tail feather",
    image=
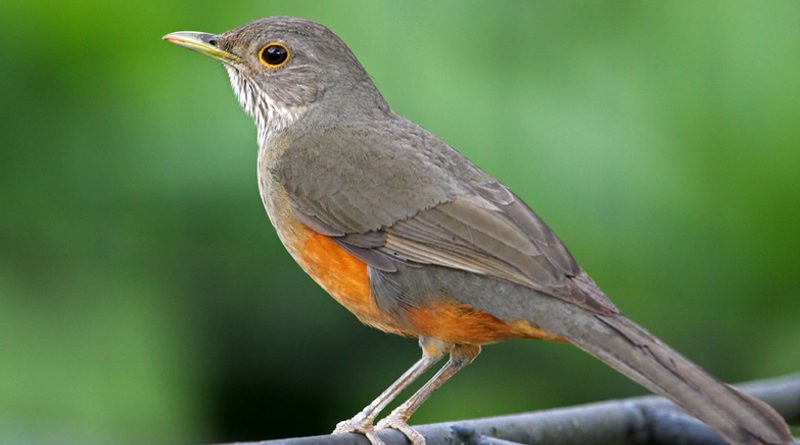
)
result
[(631, 350), (601, 330)]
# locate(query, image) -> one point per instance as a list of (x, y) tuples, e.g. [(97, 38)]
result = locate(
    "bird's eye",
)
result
[(274, 55)]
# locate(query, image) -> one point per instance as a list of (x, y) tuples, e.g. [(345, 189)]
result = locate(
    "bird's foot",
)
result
[(399, 421), (359, 424)]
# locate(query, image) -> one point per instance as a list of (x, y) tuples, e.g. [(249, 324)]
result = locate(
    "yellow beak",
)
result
[(203, 43)]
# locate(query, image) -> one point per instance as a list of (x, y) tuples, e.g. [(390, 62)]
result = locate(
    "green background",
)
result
[(144, 296)]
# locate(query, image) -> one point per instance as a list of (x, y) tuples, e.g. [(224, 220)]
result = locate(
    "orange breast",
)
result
[(345, 277), (342, 275)]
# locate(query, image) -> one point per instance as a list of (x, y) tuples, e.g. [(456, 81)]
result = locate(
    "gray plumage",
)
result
[(429, 223)]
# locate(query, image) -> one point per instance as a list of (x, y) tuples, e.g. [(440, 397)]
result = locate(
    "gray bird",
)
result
[(414, 239)]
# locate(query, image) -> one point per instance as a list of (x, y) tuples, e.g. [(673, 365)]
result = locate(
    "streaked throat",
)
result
[(270, 116)]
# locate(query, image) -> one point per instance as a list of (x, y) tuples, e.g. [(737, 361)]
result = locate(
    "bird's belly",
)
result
[(342, 275), (346, 279), (447, 319)]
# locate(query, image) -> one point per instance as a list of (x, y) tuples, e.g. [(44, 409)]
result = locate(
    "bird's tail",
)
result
[(631, 350)]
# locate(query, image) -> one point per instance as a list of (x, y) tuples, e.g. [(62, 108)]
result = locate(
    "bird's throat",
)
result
[(270, 116)]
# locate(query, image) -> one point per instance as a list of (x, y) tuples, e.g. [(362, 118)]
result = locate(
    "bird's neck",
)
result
[(270, 117), (273, 119)]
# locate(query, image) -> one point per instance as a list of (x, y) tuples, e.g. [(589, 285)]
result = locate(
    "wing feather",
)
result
[(454, 216)]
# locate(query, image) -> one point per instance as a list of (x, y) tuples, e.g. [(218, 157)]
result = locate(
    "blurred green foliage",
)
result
[(144, 297)]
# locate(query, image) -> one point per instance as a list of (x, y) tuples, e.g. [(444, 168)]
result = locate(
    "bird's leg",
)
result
[(432, 351), (460, 356)]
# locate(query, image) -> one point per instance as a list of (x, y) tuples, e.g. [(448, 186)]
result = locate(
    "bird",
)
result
[(414, 239)]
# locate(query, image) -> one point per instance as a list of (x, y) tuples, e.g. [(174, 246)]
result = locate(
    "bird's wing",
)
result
[(416, 200)]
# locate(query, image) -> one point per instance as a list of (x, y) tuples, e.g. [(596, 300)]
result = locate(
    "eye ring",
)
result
[(274, 55)]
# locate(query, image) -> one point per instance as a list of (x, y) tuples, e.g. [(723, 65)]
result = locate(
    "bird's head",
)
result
[(280, 67)]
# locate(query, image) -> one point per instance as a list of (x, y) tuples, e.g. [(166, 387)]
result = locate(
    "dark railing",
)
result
[(640, 420)]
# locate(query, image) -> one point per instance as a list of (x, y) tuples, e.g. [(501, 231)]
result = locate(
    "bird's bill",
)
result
[(203, 43)]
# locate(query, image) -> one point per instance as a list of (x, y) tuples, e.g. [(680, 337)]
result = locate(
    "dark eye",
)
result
[(274, 55)]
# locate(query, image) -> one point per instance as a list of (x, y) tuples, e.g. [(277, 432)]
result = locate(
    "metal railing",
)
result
[(640, 420)]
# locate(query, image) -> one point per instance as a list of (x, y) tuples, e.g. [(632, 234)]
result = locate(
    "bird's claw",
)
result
[(399, 422), (359, 424)]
